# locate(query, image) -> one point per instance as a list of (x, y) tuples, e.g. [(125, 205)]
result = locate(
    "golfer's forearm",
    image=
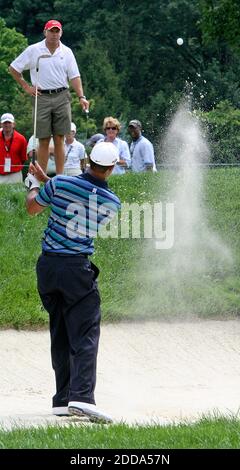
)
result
[(77, 86), (19, 78), (32, 206)]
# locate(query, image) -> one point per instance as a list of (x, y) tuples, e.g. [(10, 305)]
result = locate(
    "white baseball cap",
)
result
[(104, 154), (7, 117), (73, 127)]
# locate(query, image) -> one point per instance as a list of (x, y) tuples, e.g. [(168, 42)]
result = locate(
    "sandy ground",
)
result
[(151, 372)]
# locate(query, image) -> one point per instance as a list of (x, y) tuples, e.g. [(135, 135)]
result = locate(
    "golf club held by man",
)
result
[(52, 66)]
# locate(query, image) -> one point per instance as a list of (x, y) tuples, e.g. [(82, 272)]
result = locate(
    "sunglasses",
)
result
[(112, 128)]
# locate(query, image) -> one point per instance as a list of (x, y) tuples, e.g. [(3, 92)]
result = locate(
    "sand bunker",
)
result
[(154, 372)]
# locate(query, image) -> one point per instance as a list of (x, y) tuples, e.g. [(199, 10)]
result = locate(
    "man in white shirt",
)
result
[(74, 154), (52, 65), (141, 149)]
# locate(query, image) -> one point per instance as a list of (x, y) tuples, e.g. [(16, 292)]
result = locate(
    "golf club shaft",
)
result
[(35, 121)]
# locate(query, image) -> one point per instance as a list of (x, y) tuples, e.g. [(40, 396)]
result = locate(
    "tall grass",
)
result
[(135, 282)]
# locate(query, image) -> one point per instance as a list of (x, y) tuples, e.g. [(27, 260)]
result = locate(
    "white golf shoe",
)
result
[(80, 408), (60, 411)]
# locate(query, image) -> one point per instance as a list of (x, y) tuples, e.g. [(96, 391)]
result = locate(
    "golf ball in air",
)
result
[(180, 41)]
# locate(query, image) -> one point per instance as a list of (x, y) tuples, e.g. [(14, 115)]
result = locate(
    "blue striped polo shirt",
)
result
[(79, 206)]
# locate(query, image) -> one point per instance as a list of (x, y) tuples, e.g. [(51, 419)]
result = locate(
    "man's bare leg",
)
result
[(43, 153), (59, 153)]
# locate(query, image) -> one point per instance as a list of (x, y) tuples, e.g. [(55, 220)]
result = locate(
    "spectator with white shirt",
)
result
[(34, 144), (75, 154), (56, 67), (141, 149), (111, 127)]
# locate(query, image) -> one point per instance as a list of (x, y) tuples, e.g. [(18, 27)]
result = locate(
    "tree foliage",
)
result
[(27, 16), (220, 21), (130, 62), (223, 124), (12, 98)]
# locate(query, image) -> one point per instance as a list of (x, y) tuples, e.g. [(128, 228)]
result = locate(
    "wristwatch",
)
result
[(82, 97)]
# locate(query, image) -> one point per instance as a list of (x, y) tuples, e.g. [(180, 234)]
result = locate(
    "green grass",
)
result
[(218, 433), (136, 281)]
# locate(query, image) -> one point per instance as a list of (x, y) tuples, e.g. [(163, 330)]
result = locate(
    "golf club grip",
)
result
[(34, 156)]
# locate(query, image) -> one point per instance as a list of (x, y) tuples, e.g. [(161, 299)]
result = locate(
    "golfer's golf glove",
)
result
[(31, 182)]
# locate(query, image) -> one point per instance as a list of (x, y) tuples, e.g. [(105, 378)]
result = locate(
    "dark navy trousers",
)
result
[(68, 290)]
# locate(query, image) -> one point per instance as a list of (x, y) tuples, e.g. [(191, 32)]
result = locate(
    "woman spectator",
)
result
[(111, 127)]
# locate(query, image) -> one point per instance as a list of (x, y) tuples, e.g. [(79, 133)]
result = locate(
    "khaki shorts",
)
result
[(53, 114)]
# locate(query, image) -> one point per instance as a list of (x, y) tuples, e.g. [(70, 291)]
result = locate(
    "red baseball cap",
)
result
[(52, 24)]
